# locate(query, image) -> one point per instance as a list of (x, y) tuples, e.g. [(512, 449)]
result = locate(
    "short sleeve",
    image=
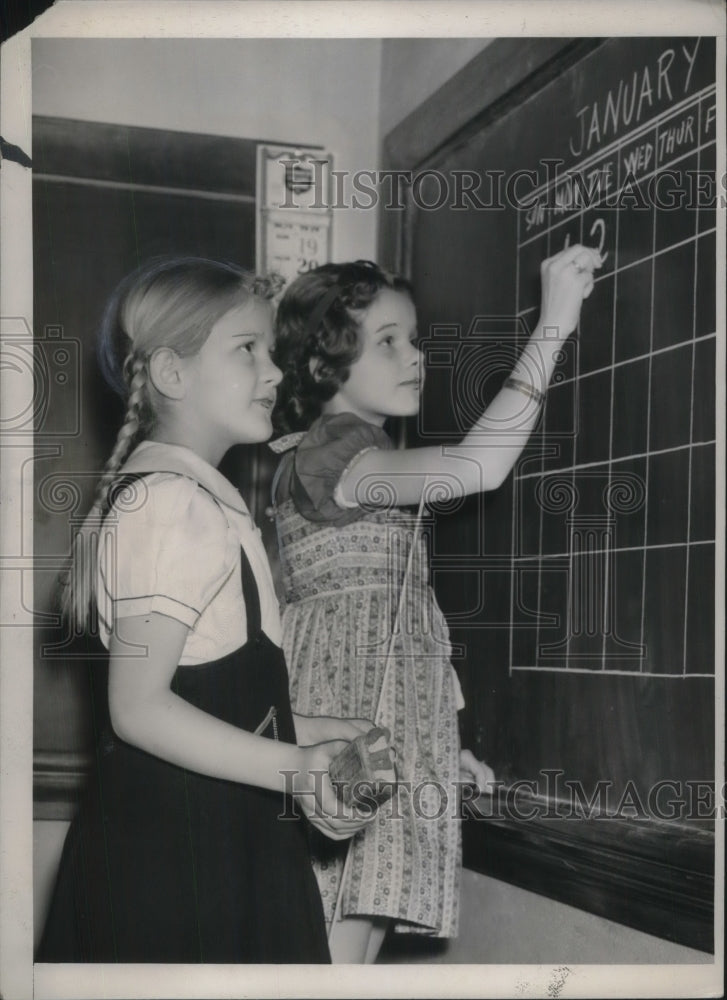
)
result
[(171, 550), (327, 451)]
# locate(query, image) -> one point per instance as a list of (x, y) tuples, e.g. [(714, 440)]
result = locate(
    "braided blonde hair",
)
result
[(170, 302)]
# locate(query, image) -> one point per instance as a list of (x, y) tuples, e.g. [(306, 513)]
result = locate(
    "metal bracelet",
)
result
[(524, 387)]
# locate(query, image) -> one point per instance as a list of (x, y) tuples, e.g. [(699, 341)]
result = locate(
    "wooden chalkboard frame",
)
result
[(613, 868), (495, 80)]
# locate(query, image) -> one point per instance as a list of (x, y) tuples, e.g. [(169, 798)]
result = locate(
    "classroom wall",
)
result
[(309, 91), (132, 84), (412, 69), (341, 94)]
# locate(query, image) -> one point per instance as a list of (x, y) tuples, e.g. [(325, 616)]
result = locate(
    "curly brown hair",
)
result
[(317, 318)]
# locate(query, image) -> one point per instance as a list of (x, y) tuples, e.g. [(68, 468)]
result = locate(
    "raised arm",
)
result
[(488, 452), (146, 713)]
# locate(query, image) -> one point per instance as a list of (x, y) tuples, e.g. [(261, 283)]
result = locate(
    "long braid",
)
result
[(77, 597), (136, 370)]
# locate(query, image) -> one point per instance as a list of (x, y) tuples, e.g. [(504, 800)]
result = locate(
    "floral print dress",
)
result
[(343, 568)]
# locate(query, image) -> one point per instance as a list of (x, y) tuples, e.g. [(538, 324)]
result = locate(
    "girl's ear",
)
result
[(167, 373)]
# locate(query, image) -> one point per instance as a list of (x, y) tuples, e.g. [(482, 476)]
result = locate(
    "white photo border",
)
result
[(288, 18)]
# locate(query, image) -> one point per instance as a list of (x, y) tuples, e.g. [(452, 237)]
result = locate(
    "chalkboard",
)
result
[(581, 594)]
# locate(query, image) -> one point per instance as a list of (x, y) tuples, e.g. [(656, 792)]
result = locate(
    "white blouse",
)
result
[(168, 546)]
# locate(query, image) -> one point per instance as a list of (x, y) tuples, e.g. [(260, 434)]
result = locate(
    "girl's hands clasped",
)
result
[(567, 279), (317, 798)]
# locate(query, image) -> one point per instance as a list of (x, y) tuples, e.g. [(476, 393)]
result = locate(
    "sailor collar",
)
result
[(156, 456)]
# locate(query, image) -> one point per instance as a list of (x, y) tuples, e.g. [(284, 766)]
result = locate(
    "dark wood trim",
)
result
[(145, 188), (153, 158), (496, 78), (499, 77), (58, 779), (654, 876), (657, 877)]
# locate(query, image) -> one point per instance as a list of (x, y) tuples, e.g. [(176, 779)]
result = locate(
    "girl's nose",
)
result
[(273, 374), (269, 371), (416, 356)]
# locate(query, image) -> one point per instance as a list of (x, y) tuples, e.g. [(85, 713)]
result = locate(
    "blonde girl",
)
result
[(346, 341), (178, 852)]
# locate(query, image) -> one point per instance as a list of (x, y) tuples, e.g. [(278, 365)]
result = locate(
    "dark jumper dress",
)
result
[(163, 864)]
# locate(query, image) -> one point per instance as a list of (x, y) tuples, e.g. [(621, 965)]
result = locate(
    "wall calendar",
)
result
[(293, 218)]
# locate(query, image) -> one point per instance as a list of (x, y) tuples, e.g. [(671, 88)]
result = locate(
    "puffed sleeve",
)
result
[(325, 454), (172, 550)]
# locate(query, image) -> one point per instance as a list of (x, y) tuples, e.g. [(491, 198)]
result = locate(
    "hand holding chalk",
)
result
[(567, 279)]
